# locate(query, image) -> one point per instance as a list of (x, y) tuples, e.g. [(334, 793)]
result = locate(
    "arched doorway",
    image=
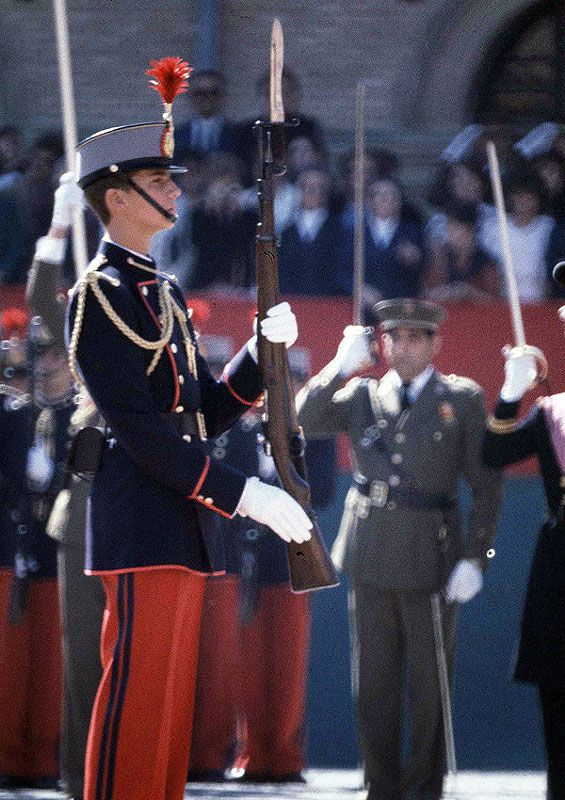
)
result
[(521, 81)]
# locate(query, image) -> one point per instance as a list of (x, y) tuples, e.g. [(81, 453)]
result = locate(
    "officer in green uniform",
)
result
[(413, 434)]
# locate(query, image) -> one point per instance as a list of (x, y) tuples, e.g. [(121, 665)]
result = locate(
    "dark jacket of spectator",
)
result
[(314, 266), (10, 241), (387, 267), (224, 249)]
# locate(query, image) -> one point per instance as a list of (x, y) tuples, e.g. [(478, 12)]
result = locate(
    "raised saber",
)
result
[(69, 126), (508, 264), (359, 205)]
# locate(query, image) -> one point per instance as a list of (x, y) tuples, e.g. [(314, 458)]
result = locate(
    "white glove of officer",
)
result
[(68, 197), (353, 352), (279, 326), (271, 506), (520, 372), (465, 582)]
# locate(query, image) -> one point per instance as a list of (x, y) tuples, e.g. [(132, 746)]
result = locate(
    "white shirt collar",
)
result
[(382, 230), (309, 222), (417, 384)]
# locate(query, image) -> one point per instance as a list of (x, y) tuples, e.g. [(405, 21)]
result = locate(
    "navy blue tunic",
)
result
[(541, 656), (151, 499)]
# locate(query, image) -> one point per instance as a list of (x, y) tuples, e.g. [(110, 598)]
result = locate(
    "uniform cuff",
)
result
[(220, 488), (243, 379), (505, 415)]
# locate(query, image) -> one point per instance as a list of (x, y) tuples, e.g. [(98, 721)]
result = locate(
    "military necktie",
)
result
[(404, 396)]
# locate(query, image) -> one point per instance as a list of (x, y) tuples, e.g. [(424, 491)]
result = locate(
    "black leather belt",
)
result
[(183, 423), (382, 495)]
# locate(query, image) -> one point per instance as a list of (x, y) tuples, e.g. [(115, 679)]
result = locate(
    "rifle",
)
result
[(309, 563)]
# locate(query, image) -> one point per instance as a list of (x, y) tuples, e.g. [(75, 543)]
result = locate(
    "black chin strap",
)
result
[(149, 199)]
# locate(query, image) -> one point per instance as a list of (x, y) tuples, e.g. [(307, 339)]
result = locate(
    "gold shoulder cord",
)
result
[(169, 310)]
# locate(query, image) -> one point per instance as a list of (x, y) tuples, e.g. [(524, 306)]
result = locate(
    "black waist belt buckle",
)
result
[(381, 494)]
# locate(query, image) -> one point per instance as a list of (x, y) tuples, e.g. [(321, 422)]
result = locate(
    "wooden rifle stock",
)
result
[(309, 563)]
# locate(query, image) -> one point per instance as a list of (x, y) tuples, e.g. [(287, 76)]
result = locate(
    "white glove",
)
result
[(278, 326), (464, 583), (353, 351), (269, 505), (520, 371), (68, 197)]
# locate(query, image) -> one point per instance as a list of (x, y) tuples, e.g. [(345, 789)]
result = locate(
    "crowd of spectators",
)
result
[(445, 245)]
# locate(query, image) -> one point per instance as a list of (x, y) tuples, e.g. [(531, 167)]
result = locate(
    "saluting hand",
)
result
[(68, 197), (354, 351), (520, 371)]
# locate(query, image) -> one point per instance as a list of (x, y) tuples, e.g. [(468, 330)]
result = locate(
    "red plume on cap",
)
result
[(169, 77), (14, 322)]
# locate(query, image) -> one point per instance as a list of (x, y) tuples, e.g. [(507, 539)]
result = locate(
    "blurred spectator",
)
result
[(464, 182), (174, 249), (394, 248), (32, 194), (301, 153), (312, 255), (11, 237), (555, 254), (308, 127), (207, 130), (459, 269), (379, 162), (223, 231), (11, 150), (550, 167), (529, 232)]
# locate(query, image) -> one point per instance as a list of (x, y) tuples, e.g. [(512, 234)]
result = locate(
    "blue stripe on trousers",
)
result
[(106, 757), (123, 685)]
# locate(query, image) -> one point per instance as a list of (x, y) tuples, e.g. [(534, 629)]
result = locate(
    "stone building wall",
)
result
[(419, 59)]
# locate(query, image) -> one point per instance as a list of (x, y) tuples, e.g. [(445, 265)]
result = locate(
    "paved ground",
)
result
[(345, 785)]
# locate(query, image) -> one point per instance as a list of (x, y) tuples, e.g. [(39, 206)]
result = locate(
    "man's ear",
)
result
[(438, 342), (115, 199)]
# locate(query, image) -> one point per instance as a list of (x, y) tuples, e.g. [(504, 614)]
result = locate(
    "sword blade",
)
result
[(511, 284)]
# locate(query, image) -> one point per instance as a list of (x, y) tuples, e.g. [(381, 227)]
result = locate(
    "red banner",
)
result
[(472, 335)]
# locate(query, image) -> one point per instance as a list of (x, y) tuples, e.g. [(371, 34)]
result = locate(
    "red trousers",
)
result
[(214, 730), (139, 739), (30, 682), (262, 669)]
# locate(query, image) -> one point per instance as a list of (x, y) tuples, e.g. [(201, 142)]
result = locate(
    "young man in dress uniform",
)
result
[(131, 338), (541, 656), (413, 434)]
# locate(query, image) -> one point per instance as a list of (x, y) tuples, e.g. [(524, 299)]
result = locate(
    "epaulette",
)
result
[(350, 388), (97, 262), (461, 383)]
